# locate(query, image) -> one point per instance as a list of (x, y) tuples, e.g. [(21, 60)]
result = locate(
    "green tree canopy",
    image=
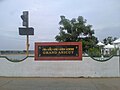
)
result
[(76, 30), (109, 40)]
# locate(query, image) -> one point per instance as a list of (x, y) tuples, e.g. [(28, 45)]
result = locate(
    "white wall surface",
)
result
[(85, 68)]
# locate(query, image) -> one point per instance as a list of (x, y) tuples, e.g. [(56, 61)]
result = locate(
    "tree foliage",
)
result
[(76, 30), (109, 40)]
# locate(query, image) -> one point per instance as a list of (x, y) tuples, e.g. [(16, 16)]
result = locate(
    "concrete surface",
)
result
[(59, 83), (85, 68)]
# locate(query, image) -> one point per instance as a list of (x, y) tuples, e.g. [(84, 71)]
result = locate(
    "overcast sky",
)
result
[(44, 15)]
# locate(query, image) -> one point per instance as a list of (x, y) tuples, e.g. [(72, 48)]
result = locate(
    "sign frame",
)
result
[(26, 31), (61, 58)]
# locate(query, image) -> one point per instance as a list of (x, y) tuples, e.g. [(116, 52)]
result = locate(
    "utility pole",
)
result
[(119, 57), (27, 25), (26, 31)]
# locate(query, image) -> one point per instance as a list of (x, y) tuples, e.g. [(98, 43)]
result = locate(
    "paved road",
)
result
[(59, 83)]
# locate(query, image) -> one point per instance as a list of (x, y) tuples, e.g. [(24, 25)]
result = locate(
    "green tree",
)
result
[(76, 30), (109, 40)]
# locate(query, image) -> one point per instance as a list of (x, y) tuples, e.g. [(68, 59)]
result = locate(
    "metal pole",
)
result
[(25, 18), (27, 42), (119, 60), (27, 45)]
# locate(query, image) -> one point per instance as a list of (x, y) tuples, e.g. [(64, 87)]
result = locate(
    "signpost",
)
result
[(58, 51), (26, 30)]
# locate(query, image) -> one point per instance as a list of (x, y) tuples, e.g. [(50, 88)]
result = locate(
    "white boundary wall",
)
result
[(85, 68)]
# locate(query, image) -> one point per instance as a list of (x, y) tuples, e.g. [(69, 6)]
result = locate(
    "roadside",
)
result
[(59, 83)]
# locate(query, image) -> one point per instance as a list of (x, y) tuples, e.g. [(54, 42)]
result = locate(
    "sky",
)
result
[(44, 17)]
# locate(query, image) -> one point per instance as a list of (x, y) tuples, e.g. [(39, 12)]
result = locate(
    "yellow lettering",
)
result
[(61, 49), (49, 49), (44, 49), (47, 52), (44, 53), (55, 49), (70, 49)]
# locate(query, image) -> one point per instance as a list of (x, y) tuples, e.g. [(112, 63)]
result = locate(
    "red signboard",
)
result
[(58, 51)]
